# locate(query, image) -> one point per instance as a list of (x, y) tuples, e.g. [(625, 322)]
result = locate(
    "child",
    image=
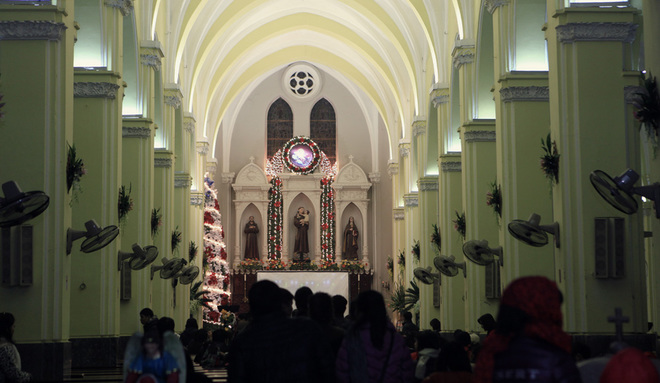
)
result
[(154, 364)]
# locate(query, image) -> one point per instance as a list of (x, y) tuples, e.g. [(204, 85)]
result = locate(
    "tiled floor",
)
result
[(99, 375)]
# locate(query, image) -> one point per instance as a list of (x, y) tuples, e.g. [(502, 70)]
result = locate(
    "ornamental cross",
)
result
[(618, 319)]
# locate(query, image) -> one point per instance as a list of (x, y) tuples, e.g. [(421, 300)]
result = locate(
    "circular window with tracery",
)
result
[(301, 80)]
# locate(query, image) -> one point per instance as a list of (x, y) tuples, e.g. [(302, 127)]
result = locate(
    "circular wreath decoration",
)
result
[(301, 155)]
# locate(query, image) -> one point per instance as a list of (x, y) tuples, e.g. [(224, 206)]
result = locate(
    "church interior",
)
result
[(442, 146)]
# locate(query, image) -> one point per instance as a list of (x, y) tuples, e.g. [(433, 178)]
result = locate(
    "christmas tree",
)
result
[(216, 269)]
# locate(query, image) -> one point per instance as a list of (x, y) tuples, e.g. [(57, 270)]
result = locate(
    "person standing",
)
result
[(10, 359), (301, 222), (251, 247)]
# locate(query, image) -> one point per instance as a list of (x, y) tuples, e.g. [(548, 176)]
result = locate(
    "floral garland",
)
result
[(301, 140), (225, 319), (303, 266), (275, 165), (75, 169), (156, 222), (327, 219), (216, 274), (124, 203), (550, 160), (275, 212), (250, 265), (276, 264), (328, 265), (459, 224), (494, 199), (353, 266)]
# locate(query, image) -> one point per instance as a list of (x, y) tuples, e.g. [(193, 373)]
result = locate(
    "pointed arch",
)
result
[(279, 126), (323, 128)]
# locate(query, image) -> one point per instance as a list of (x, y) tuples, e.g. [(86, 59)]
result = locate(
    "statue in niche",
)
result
[(301, 222), (251, 248), (350, 248)]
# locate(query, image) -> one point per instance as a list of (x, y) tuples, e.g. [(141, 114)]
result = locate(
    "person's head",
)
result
[(191, 323), (151, 343), (165, 324), (146, 315), (7, 321), (453, 357), (370, 309), (407, 316), (351, 220), (264, 298), (339, 304), (435, 324), (320, 308), (287, 301), (487, 322), (302, 299), (428, 339), (251, 218), (301, 210), (463, 338), (629, 365)]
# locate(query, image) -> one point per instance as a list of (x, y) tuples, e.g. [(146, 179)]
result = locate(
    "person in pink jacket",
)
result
[(372, 350)]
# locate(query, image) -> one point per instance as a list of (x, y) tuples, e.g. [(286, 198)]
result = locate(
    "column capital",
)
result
[(227, 177), (135, 132), (374, 177), (404, 148), (163, 158), (196, 198), (428, 184), (479, 136), (95, 90), (124, 6), (525, 93), (572, 32), (450, 163), (31, 30), (182, 180), (440, 96), (202, 147), (398, 214), (462, 54), (492, 5), (411, 199), (392, 168), (189, 123), (211, 166), (419, 126), (151, 54), (173, 96)]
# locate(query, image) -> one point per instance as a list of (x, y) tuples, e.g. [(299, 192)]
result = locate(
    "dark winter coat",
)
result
[(400, 366), (533, 360)]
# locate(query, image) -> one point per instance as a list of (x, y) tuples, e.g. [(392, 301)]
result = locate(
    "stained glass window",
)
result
[(279, 126), (323, 128)]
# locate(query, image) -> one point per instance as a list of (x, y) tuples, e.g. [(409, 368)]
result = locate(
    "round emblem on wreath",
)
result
[(301, 155)]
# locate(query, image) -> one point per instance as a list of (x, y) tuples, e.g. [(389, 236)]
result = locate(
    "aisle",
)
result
[(98, 375)]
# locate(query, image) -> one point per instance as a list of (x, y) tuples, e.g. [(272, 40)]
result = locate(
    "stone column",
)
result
[(162, 302), (588, 106), (479, 172), (428, 212), (35, 73), (138, 178), (452, 296)]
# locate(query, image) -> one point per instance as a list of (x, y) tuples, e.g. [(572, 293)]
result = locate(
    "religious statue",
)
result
[(251, 248), (301, 221), (350, 250)]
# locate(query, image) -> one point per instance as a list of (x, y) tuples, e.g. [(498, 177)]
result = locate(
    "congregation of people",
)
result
[(318, 342)]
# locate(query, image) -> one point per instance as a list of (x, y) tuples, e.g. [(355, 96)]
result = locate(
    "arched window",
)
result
[(279, 126), (323, 128)]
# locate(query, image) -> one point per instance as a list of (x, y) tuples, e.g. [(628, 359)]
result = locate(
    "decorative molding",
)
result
[(418, 128), (465, 56), (439, 97), (374, 177), (173, 101), (479, 136), (404, 150), (393, 168), (95, 90), (211, 167), (202, 147), (411, 200), (428, 184), (31, 30), (525, 93), (451, 166), (124, 6), (163, 162), (135, 132), (624, 32), (492, 5), (227, 178), (196, 198), (631, 93), (189, 125), (182, 180), (398, 214), (150, 60)]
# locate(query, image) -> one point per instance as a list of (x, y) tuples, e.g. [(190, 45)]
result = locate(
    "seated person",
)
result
[(153, 364)]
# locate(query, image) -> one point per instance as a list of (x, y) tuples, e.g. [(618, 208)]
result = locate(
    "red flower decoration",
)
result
[(331, 215), (213, 280), (325, 246), (273, 216), (324, 226), (223, 254), (272, 238), (278, 227), (224, 299), (328, 235), (278, 182), (277, 204), (217, 206), (278, 247), (215, 316), (208, 218)]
